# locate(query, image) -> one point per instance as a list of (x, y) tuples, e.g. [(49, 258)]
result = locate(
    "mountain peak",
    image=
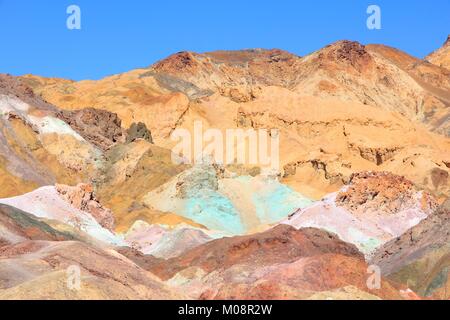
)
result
[(351, 51), (342, 54), (441, 57), (201, 74), (177, 61)]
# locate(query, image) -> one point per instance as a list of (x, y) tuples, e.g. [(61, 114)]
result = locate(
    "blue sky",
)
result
[(118, 36)]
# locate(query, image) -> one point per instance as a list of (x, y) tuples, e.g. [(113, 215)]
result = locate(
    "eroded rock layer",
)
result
[(92, 180)]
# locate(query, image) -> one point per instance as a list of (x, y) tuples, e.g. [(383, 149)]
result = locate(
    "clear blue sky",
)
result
[(118, 36)]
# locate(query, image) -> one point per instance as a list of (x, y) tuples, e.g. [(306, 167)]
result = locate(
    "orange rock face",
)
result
[(382, 192), (441, 57), (100, 127), (364, 158), (219, 70), (83, 198), (283, 263), (279, 245)]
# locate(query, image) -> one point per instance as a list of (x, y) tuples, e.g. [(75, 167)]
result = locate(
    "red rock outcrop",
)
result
[(281, 263), (351, 52), (16, 87), (100, 127), (282, 244), (83, 198), (383, 192), (300, 280)]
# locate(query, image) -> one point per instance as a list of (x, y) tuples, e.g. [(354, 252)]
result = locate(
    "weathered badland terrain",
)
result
[(93, 205)]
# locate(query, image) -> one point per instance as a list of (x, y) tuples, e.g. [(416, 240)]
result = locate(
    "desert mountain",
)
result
[(36, 148), (441, 57), (372, 75), (343, 109), (89, 178)]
